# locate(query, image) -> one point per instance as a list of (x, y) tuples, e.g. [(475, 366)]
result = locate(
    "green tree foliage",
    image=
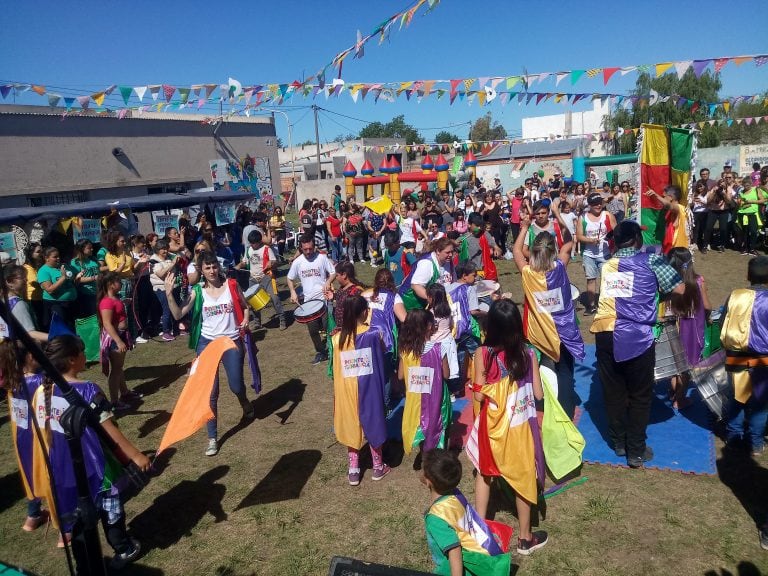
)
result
[(747, 134), (341, 138), (703, 89), (485, 129), (446, 137), (395, 128)]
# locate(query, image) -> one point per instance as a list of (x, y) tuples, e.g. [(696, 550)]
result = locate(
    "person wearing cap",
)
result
[(623, 328), (592, 232), (675, 232), (727, 168)]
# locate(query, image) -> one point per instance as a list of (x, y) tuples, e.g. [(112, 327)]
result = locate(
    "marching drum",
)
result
[(257, 297), (711, 380), (670, 356), (309, 311)]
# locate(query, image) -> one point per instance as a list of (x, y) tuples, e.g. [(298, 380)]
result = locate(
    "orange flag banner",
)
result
[(193, 408)]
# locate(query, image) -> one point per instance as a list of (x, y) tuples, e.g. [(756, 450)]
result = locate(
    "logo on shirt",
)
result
[(520, 406), (420, 379), (20, 412), (310, 273), (618, 284), (218, 310), (549, 301), (356, 363)]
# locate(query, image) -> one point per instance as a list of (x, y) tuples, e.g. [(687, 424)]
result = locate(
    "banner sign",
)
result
[(8, 244), (225, 213), (89, 229), (164, 221)]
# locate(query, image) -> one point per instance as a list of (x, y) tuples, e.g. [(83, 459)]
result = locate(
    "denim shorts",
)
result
[(592, 265)]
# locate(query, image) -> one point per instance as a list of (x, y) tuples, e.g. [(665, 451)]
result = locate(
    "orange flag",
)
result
[(193, 408)]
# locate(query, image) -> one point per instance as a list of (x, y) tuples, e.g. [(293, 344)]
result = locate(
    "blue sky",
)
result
[(83, 47)]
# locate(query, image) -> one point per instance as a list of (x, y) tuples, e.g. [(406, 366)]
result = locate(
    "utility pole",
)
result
[(317, 143)]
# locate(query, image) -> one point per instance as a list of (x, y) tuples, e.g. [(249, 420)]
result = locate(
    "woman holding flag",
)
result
[(219, 309)]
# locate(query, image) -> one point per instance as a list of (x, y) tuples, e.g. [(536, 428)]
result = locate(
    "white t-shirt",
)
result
[(254, 259), (570, 221), (312, 275), (425, 269), (218, 316), (406, 230)]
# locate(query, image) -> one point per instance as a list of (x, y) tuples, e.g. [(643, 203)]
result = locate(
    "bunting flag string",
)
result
[(276, 94)]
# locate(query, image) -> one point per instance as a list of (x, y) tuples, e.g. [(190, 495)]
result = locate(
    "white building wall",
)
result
[(570, 124)]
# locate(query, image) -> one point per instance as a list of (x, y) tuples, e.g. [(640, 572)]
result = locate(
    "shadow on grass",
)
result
[(747, 480), (744, 568), (160, 418), (285, 481), (4, 419), (162, 376), (174, 514), (10, 490), (289, 395)]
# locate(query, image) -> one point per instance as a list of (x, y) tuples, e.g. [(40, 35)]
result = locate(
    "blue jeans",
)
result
[(337, 248), (756, 415), (166, 319), (233, 366)]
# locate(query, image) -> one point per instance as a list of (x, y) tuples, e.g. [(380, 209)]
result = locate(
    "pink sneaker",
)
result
[(378, 474), (165, 337)]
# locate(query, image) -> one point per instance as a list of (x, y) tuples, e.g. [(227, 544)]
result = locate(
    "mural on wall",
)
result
[(249, 174)]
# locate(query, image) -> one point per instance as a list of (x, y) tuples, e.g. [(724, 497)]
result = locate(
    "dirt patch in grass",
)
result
[(275, 500)]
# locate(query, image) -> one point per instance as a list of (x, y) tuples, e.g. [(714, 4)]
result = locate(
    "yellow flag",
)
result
[(481, 97), (98, 98), (662, 67)]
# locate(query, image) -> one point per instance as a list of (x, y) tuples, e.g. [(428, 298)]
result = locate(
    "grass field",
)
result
[(275, 500)]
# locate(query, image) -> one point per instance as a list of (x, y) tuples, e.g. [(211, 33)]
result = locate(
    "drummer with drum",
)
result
[(260, 261), (316, 273), (624, 338)]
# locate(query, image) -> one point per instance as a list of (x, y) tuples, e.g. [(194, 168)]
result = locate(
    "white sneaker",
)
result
[(141, 340), (213, 447)]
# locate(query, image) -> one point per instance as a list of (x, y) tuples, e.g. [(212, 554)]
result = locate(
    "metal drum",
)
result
[(670, 356), (711, 380)]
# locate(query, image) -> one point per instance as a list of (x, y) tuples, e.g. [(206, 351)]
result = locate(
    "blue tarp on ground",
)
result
[(680, 440)]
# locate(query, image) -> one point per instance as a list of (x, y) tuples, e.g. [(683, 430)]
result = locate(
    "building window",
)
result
[(57, 199), (169, 189)]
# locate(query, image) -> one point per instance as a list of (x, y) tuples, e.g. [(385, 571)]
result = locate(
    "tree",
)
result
[(445, 137), (280, 142), (341, 138), (395, 128), (695, 91), (484, 129), (307, 143), (743, 134)]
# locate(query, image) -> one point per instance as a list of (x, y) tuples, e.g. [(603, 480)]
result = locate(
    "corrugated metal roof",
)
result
[(532, 149), (22, 110)]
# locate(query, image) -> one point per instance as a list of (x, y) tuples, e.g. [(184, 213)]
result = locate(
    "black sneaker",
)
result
[(639, 461), (620, 451), (590, 310), (764, 537), (123, 558), (320, 357), (538, 540)]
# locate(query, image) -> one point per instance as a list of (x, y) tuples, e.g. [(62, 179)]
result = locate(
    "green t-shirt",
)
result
[(89, 268), (442, 538), (751, 195), (101, 255), (66, 292)]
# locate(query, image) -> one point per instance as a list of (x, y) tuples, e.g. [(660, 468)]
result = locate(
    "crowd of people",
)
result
[(434, 326)]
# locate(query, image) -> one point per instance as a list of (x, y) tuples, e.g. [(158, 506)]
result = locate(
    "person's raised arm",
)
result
[(177, 312), (125, 446), (517, 249)]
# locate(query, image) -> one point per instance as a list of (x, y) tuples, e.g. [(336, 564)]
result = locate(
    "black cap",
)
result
[(594, 199)]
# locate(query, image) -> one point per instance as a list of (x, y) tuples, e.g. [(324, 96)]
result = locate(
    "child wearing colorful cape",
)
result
[(442, 309), (459, 539), (102, 467), (506, 440), (692, 310), (20, 385), (423, 370), (358, 388), (466, 310)]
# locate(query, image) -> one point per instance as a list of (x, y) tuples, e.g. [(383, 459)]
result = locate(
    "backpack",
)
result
[(307, 223)]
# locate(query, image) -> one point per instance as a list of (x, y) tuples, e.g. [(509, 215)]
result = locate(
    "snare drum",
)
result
[(670, 356), (711, 381), (309, 311), (257, 297)]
